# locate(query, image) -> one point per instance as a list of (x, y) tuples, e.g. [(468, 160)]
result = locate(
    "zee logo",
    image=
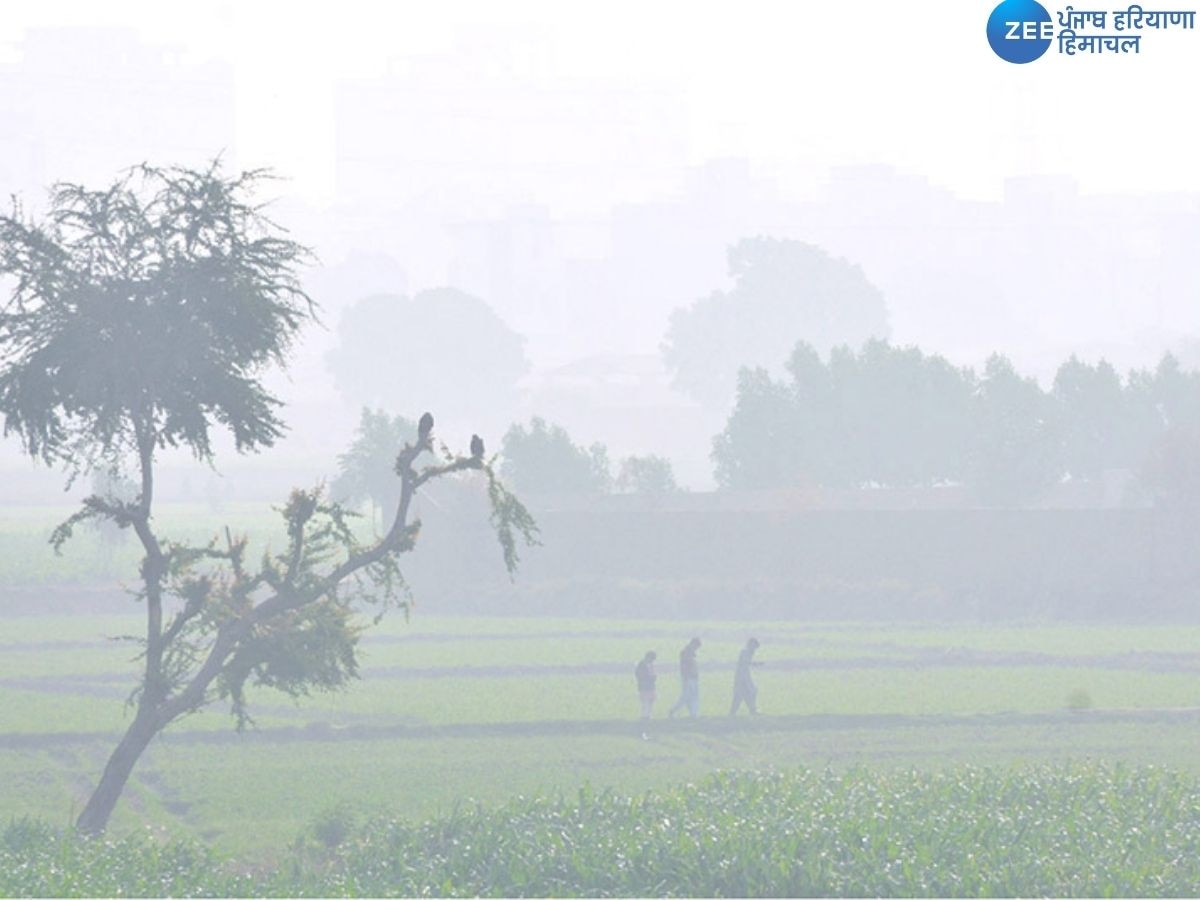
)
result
[(1020, 31), (1028, 31)]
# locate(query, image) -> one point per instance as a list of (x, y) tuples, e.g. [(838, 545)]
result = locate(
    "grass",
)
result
[(419, 778), (115, 661), (937, 692), (1053, 639), (417, 680), (251, 796), (838, 696)]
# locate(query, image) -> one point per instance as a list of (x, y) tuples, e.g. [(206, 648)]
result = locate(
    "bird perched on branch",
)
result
[(476, 447), (424, 428)]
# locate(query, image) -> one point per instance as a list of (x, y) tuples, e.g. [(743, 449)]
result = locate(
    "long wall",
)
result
[(972, 563)]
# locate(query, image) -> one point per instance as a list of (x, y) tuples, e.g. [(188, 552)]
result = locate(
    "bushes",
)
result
[(39, 861)]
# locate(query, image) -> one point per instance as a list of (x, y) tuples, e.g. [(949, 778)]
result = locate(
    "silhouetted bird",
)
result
[(424, 427), (477, 446)]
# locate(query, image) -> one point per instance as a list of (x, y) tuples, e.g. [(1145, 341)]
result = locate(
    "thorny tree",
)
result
[(141, 318)]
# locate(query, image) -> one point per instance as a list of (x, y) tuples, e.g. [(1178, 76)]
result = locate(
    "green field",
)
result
[(91, 556), (456, 710), (503, 755)]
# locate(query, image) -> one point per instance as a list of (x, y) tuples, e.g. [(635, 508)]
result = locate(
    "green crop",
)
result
[(1070, 831), (1074, 830)]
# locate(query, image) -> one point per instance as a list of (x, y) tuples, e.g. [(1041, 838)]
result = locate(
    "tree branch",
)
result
[(287, 596)]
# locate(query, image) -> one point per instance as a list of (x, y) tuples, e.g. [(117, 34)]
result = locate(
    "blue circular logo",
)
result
[(1020, 31)]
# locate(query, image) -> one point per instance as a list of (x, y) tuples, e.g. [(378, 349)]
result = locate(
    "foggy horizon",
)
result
[(589, 285)]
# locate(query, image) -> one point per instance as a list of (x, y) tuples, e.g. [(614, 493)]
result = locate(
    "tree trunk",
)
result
[(95, 815), (146, 723)]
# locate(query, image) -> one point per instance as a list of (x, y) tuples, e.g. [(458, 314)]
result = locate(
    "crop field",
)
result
[(451, 711), (512, 744), (1043, 830)]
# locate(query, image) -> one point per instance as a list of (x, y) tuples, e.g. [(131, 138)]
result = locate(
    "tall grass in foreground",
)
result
[(1078, 830)]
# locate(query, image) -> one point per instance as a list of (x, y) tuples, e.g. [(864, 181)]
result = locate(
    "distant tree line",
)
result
[(833, 416), (543, 458), (539, 456), (897, 417)]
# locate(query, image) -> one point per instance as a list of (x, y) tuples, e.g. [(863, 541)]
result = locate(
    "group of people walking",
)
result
[(744, 689)]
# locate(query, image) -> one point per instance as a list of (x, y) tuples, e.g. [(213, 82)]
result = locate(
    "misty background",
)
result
[(523, 225)]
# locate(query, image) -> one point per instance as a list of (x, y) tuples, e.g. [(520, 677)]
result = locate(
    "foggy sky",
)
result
[(584, 172)]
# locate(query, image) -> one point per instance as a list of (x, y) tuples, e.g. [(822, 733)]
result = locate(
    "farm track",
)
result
[(704, 726)]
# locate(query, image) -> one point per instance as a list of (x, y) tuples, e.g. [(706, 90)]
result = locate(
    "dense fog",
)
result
[(549, 258)]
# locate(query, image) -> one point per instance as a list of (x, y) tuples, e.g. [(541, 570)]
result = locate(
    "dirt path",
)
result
[(114, 684), (714, 725)]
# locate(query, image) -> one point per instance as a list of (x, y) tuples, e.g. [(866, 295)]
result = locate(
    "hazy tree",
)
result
[(817, 436), (1145, 423), (893, 416), (366, 471), (885, 415), (1016, 447), (904, 416), (403, 354), (541, 458), (1093, 412), (1171, 469), (142, 317), (1176, 393), (599, 468), (1167, 405), (763, 444), (783, 291), (646, 475)]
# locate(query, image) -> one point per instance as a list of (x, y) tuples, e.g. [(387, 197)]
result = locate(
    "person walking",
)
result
[(646, 681), (744, 688), (689, 675)]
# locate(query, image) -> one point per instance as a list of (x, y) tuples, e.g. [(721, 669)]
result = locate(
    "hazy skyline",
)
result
[(583, 171), (800, 87)]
